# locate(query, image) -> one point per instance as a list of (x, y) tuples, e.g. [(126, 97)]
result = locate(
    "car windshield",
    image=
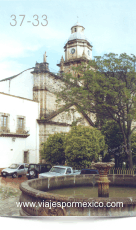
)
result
[(36, 167), (57, 170), (31, 166), (26, 165), (14, 166)]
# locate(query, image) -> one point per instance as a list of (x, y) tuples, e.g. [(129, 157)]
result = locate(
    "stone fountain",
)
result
[(39, 191), (103, 182)]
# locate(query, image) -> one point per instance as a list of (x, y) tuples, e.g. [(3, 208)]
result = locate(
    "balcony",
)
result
[(22, 133)]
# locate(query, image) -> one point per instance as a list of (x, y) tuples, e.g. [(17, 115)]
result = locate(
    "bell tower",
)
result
[(77, 49)]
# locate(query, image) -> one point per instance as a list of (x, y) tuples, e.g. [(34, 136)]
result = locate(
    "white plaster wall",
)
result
[(21, 85), (13, 152), (4, 86), (79, 29)]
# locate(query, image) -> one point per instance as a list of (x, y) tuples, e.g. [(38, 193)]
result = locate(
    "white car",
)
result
[(59, 170), (15, 170)]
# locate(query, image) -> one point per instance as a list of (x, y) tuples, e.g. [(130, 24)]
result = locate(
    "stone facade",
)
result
[(51, 120), (40, 85)]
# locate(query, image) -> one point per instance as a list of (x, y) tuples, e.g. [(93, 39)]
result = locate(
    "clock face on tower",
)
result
[(72, 50)]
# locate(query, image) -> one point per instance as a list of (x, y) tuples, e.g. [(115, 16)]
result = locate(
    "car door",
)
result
[(26, 168), (43, 168), (21, 170)]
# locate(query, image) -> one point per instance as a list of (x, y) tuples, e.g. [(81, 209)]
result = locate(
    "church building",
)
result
[(28, 109)]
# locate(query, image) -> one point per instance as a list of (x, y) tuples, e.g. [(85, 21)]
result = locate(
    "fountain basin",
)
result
[(92, 191), (32, 191)]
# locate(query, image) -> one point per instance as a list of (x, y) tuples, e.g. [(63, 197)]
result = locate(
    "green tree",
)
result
[(82, 145), (53, 149), (114, 142), (133, 147), (107, 88)]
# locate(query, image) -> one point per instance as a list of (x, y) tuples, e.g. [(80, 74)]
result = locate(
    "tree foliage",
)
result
[(107, 88), (53, 149), (82, 145), (115, 146), (133, 147), (114, 142)]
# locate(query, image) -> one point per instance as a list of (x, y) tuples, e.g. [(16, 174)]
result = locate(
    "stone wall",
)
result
[(46, 84), (46, 129)]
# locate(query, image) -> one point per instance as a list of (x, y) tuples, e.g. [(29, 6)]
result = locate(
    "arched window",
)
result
[(75, 29)]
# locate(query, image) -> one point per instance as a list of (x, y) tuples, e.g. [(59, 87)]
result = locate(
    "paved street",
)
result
[(9, 195)]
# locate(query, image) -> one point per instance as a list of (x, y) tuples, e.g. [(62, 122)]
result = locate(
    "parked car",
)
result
[(59, 170), (89, 171), (15, 170), (35, 169)]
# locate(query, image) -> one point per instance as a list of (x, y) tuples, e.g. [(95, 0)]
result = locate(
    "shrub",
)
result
[(53, 149), (82, 145)]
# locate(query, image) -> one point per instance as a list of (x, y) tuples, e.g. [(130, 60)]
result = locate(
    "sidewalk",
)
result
[(9, 195), (8, 207)]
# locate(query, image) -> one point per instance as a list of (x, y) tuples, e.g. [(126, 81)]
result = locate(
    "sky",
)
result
[(109, 26)]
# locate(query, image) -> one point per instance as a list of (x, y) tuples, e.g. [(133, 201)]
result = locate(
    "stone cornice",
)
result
[(74, 60), (47, 120), (37, 71), (44, 121), (79, 41), (14, 135), (55, 113)]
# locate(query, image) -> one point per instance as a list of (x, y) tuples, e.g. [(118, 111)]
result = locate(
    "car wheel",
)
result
[(33, 173), (14, 175)]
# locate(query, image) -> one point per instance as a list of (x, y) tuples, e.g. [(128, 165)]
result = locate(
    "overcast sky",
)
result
[(110, 26)]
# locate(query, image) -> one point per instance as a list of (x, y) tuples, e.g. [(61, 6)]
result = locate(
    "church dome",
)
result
[(77, 32), (77, 24), (77, 35)]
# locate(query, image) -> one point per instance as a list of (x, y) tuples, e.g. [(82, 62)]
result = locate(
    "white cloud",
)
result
[(11, 48), (10, 68), (15, 45)]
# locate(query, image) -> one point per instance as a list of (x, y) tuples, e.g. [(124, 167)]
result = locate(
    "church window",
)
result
[(75, 29)]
